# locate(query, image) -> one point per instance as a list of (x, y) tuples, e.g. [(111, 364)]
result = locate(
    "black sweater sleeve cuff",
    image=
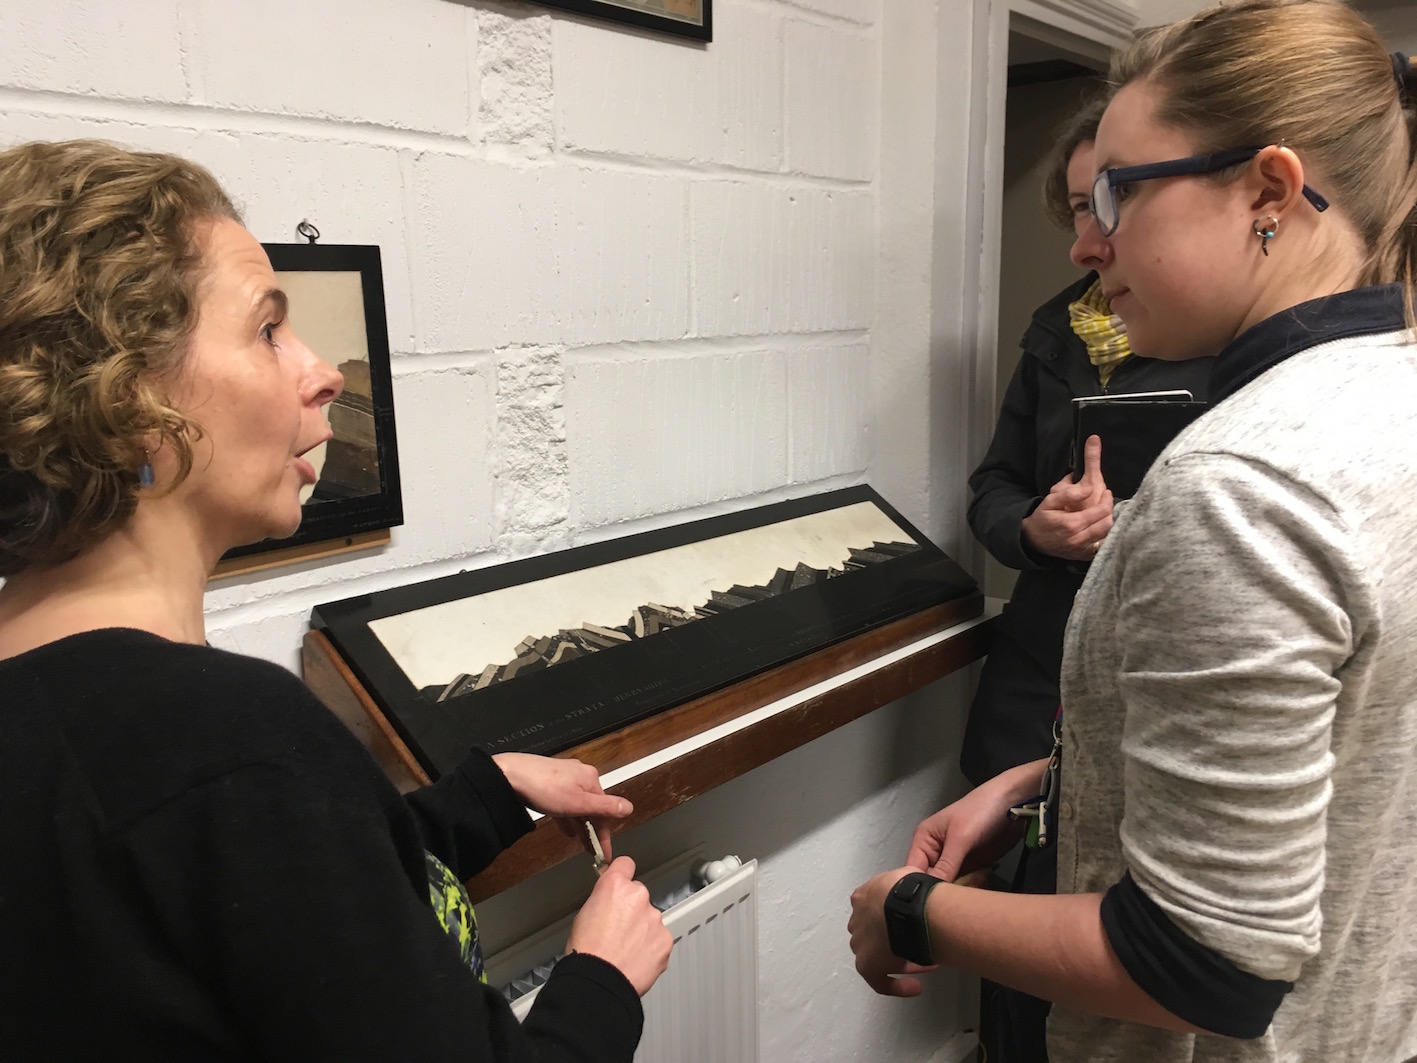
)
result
[(503, 804), (470, 815), (589, 996), (1193, 982)]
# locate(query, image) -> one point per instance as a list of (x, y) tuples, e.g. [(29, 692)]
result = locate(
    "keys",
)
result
[(1041, 811), (599, 862)]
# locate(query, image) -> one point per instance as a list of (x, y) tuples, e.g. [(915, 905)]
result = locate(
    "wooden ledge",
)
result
[(668, 784)]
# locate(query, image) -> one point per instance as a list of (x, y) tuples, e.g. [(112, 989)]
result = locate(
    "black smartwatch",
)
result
[(906, 927)]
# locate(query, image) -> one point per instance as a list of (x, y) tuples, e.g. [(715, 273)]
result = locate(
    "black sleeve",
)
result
[(284, 885), (1186, 978), (1002, 487), (469, 815)]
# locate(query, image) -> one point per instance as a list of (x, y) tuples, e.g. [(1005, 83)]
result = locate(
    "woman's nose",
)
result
[(323, 381), (1091, 250)]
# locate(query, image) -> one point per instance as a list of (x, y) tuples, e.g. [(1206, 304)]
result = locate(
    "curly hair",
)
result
[(1078, 130), (100, 259)]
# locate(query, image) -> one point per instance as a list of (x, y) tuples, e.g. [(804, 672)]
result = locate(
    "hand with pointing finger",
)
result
[(1073, 518), (568, 790)]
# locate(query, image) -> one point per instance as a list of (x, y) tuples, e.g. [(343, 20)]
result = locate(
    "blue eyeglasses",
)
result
[(1104, 187)]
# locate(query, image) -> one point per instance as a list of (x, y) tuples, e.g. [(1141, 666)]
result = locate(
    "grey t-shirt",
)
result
[(1249, 631)]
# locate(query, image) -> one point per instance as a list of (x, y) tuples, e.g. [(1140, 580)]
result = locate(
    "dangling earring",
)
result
[(1266, 228), (146, 478)]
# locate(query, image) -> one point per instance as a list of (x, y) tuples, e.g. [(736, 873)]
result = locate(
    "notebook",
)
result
[(1134, 429)]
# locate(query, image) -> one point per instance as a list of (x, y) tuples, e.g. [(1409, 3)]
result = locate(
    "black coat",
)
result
[(1011, 719)]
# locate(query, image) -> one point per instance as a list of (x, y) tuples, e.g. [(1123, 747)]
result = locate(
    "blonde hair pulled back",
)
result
[(100, 260), (1311, 75)]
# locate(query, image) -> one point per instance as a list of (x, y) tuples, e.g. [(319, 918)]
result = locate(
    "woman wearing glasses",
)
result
[(1029, 514), (1238, 814)]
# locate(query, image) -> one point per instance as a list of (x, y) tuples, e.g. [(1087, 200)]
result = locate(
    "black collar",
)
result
[(1362, 312)]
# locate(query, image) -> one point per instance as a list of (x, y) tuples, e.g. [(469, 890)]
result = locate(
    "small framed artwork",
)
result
[(545, 653), (683, 18), (336, 306)]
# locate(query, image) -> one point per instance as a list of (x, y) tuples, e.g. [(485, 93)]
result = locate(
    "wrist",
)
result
[(907, 924)]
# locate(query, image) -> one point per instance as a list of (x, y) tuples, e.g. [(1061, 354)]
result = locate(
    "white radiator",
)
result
[(704, 1009)]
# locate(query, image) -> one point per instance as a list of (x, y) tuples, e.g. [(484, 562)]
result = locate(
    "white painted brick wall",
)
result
[(130, 50), (673, 431), (832, 78), (781, 258), (515, 78), (863, 11), (403, 65), (635, 96), (560, 254), (828, 397), (533, 491)]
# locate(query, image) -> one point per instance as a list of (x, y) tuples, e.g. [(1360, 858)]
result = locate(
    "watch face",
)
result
[(908, 887)]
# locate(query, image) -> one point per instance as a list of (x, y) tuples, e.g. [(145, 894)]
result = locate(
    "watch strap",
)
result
[(907, 929)]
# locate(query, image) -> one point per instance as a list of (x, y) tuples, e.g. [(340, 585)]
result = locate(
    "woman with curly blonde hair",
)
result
[(200, 862)]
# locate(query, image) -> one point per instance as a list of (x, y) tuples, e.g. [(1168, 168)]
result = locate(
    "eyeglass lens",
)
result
[(1104, 204)]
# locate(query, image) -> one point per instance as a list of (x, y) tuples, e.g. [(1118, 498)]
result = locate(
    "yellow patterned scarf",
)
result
[(1102, 331)]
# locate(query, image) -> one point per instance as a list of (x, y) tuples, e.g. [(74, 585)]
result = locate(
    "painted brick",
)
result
[(128, 50), (539, 255), (772, 259), (445, 421), (363, 61), (274, 636), (345, 189), (828, 411), (864, 11), (652, 435), (532, 491), (832, 89), (629, 94), (514, 76)]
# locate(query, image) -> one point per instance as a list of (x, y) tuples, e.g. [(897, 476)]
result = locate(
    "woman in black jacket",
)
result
[(1011, 512), (1031, 517)]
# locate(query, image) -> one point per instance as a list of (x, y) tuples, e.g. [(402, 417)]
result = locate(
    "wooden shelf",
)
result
[(668, 783)]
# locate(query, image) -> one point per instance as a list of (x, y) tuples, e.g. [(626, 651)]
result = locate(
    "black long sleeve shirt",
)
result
[(198, 862)]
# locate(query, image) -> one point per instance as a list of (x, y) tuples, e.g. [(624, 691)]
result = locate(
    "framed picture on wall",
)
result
[(336, 307), (683, 18), (542, 654)]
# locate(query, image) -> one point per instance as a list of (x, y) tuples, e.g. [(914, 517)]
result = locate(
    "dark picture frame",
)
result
[(663, 16), (336, 294), (431, 655)]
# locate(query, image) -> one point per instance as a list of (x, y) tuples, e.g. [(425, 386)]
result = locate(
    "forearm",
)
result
[(1018, 784), (1053, 947)]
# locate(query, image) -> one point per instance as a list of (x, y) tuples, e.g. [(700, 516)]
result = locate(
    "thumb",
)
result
[(1092, 462), (606, 805), (949, 863), (621, 866)]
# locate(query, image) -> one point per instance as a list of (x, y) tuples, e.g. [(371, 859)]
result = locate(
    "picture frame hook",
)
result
[(307, 230)]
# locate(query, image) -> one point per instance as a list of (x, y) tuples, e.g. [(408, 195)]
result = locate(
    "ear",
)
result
[(1277, 178)]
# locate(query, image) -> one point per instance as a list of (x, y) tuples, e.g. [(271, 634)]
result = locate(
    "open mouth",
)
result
[(307, 471)]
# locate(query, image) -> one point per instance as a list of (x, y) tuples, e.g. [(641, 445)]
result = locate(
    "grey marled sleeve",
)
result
[(1241, 606)]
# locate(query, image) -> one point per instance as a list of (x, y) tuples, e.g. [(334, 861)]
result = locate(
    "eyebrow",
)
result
[(275, 300)]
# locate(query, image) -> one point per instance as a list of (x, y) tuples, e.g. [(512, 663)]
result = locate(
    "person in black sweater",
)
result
[(200, 862), (1030, 516)]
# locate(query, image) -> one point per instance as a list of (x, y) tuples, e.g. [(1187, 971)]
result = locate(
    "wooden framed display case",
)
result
[(698, 700)]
